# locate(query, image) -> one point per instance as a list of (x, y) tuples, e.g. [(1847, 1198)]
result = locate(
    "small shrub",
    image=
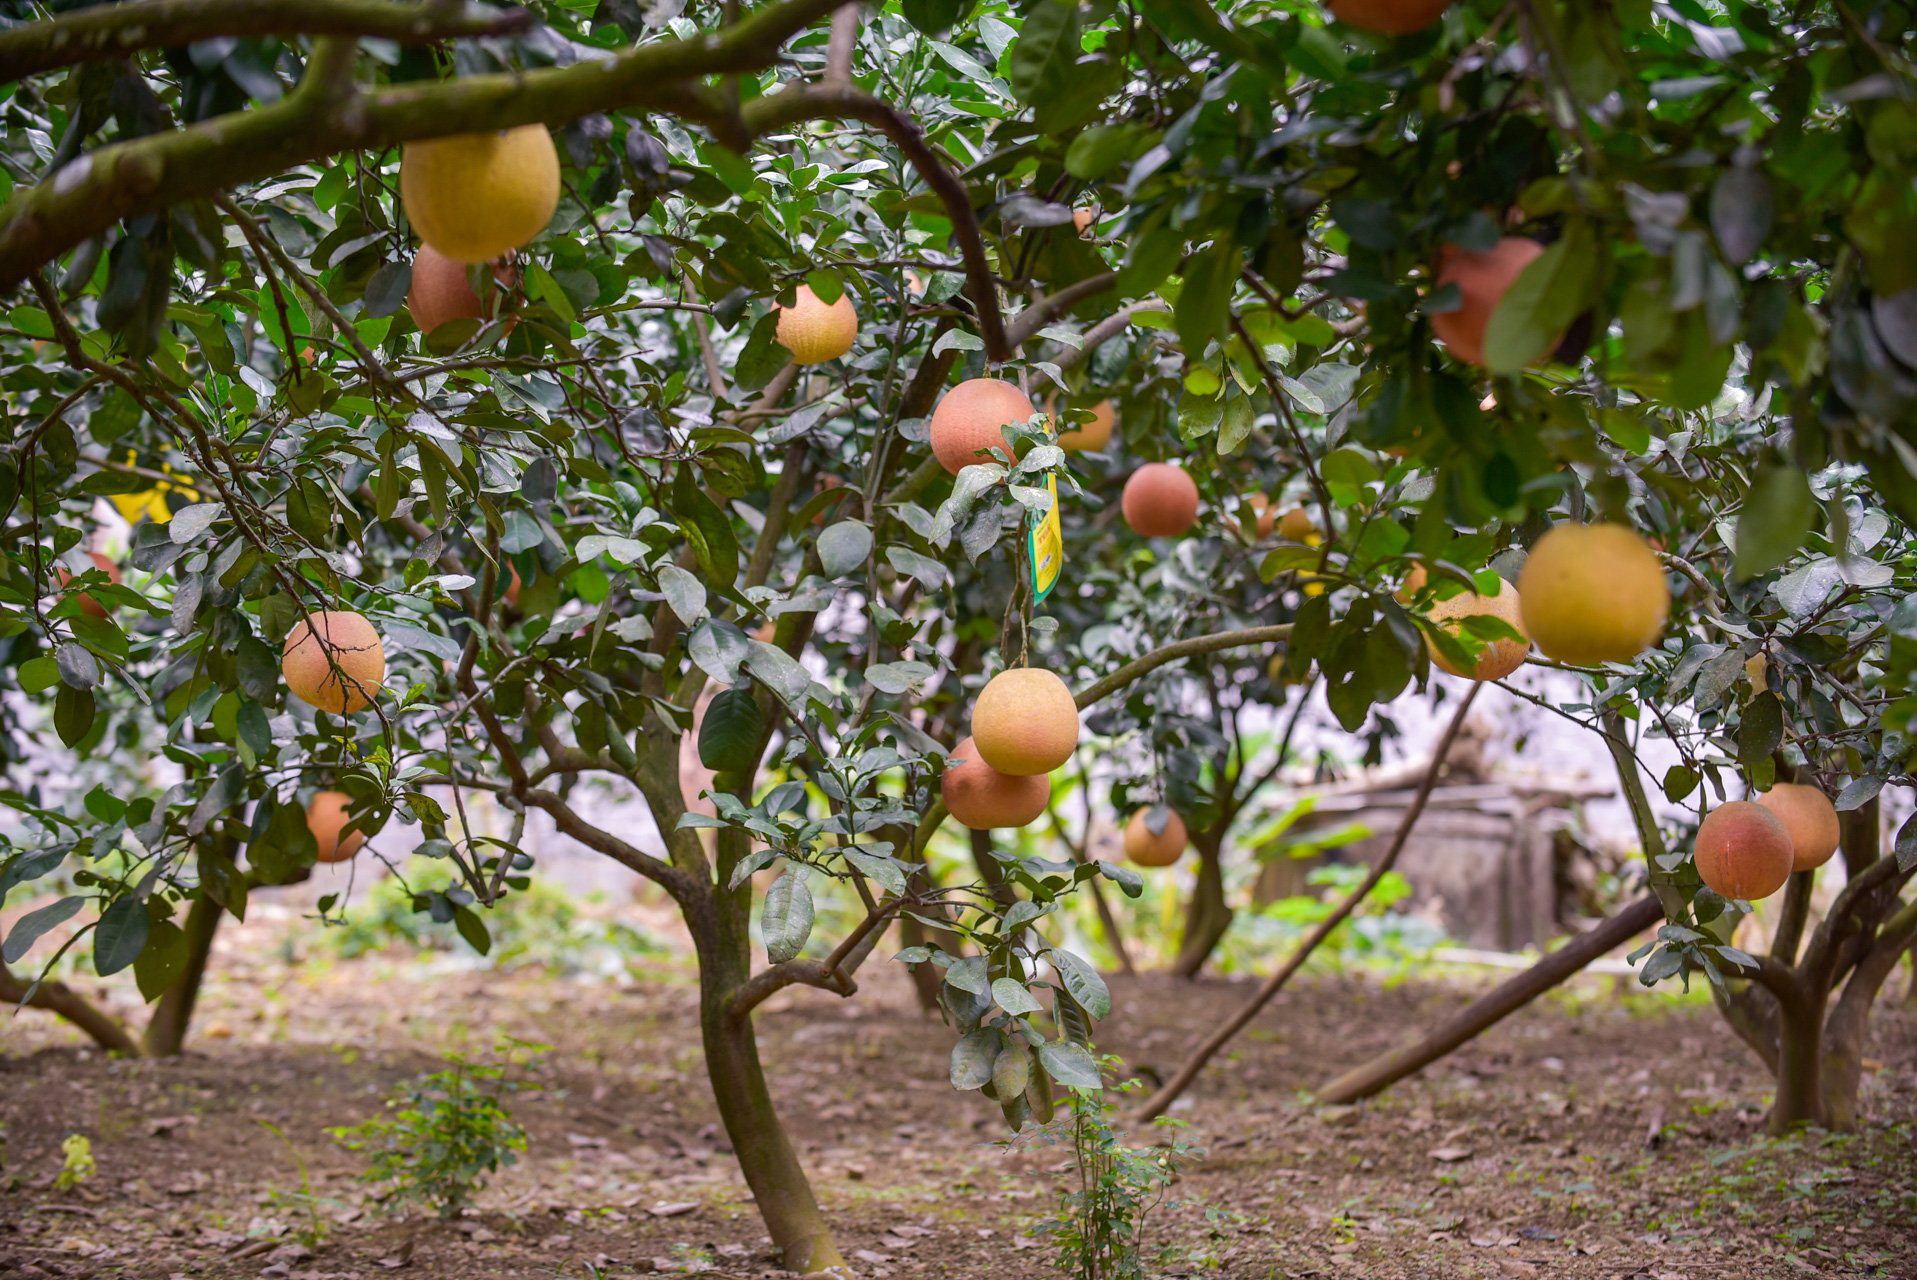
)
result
[(445, 1136), (77, 1165), (311, 1231), (1098, 1231)]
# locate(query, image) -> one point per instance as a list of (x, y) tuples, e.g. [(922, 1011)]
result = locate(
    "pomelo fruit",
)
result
[(329, 639), (326, 818), (969, 419), (1160, 500), (814, 331), (442, 291), (1810, 818), (1593, 593), (1482, 279), (91, 607), (1296, 525), (477, 196), (1264, 518), (1388, 17), (1083, 221), (1743, 850), (1155, 849), (1500, 657), (982, 798), (1413, 583), (1025, 722), (1091, 436)]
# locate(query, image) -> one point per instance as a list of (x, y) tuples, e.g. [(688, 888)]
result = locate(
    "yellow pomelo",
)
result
[(815, 332), (1593, 593), (1025, 722), (982, 798), (1149, 849), (1499, 658), (333, 660), (476, 196), (969, 418), (326, 818), (1089, 437), (1743, 851), (1811, 819)]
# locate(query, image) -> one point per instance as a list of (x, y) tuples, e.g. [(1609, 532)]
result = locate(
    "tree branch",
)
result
[(676, 882), (1140, 667), (1025, 326), (60, 999), (91, 193), (117, 30), (843, 101)]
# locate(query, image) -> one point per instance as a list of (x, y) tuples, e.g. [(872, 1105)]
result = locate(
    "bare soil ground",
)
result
[(1594, 1135)]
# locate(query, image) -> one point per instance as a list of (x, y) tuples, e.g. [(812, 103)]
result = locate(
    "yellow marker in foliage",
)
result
[(1045, 546)]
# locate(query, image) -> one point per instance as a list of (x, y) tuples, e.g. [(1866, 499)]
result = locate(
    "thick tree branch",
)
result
[(676, 882), (117, 30), (1025, 326), (60, 999), (91, 193), (1140, 667)]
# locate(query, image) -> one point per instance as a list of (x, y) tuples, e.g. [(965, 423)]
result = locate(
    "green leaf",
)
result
[(708, 530), (1011, 995), (844, 547), (1071, 1065), (1048, 45), (1558, 287), (1083, 982), (732, 733), (786, 918), (1203, 303), (683, 592), (28, 929), (1776, 518), (1760, 731), (73, 714), (973, 1058), (473, 929), (121, 935), (161, 961)]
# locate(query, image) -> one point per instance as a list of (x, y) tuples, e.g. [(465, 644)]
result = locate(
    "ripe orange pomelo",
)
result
[(1093, 435), (1296, 525), (442, 291), (1499, 658), (1482, 279), (982, 798), (333, 660), (1811, 819), (1593, 593), (969, 419), (814, 331), (1743, 850), (1149, 849), (1083, 220), (326, 818), (88, 605), (1025, 722), (1388, 17), (476, 196), (1160, 500), (1413, 583)]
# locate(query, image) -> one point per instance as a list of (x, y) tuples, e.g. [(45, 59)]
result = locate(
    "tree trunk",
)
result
[(1800, 1062), (166, 1029), (759, 1142), (1848, 1026), (1385, 1070), (1207, 916)]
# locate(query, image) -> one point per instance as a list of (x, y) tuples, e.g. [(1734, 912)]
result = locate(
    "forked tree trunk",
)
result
[(1800, 1064), (1207, 916), (759, 1142), (173, 1014)]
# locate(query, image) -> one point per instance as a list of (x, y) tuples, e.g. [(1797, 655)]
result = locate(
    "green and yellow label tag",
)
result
[(1045, 546)]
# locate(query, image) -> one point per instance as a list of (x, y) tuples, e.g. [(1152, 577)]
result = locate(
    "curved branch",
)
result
[(674, 881), (91, 193), (1140, 667), (63, 1001), (117, 30), (832, 101), (1025, 326), (1107, 329)]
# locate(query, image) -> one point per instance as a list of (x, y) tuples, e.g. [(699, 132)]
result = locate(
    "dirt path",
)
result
[(1592, 1137)]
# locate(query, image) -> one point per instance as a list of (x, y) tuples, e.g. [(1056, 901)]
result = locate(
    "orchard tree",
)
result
[(523, 380)]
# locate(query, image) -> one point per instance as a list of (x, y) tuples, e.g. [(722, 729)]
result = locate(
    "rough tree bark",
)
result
[(1207, 915)]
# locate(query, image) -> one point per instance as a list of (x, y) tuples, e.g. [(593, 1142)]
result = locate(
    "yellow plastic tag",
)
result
[(1045, 547)]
